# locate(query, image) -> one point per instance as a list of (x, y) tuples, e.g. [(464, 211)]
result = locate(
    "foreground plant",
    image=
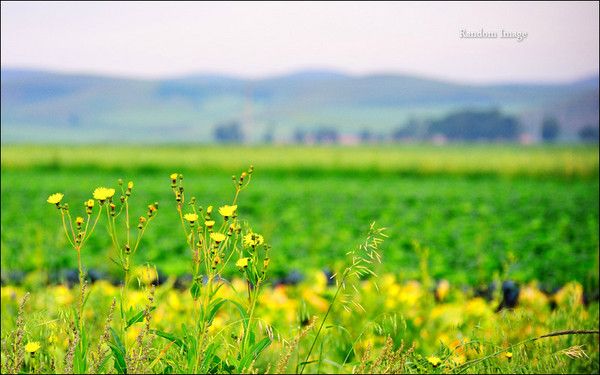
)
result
[(216, 244), (78, 232), (361, 262), (77, 235)]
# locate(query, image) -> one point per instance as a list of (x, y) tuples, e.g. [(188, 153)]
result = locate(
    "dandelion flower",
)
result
[(79, 220), (191, 218), (508, 355), (253, 239), (89, 203), (217, 237), (173, 176), (435, 361), (227, 211), (242, 262), (55, 198), (209, 223), (32, 347), (209, 210), (103, 193)]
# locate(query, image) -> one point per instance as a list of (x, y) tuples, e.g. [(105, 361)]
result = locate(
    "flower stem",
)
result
[(322, 323)]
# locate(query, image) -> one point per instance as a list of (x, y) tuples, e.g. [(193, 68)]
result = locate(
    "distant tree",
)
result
[(268, 136), (366, 135), (589, 133), (409, 131), (299, 136), (228, 132), (550, 129), (326, 135), (474, 125)]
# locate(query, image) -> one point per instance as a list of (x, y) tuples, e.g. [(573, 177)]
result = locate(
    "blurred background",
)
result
[(470, 129), (344, 73)]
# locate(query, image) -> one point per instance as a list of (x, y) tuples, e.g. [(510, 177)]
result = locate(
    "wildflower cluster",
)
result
[(78, 232), (214, 242)]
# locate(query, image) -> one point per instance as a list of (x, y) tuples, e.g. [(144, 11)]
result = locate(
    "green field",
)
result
[(525, 213), (470, 214)]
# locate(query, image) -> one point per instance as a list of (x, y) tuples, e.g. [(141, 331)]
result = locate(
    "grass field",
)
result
[(468, 214), (476, 208)]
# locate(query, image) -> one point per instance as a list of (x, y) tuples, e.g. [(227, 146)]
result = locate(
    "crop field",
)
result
[(484, 250)]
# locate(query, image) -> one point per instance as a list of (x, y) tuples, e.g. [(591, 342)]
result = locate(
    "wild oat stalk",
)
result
[(467, 365), (574, 352), (71, 351), (17, 349), (389, 361), (101, 351), (361, 264), (287, 351), (139, 357)]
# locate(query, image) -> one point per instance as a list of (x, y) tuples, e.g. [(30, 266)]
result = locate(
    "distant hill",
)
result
[(40, 106)]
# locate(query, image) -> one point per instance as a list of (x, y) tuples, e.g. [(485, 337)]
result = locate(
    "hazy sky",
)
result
[(262, 39)]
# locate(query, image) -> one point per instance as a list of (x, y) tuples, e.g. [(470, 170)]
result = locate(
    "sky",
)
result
[(255, 40)]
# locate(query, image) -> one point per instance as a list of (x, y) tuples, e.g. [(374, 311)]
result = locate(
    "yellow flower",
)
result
[(227, 211), (79, 220), (253, 239), (174, 176), (242, 262), (130, 185), (435, 361), (89, 203), (103, 193), (217, 237), (209, 210), (190, 217), (209, 223), (32, 347), (508, 355), (55, 198), (442, 289)]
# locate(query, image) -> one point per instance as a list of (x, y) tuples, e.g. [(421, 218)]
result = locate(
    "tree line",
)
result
[(465, 125)]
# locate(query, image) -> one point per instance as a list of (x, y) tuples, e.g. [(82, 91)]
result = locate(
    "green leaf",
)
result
[(137, 317), (251, 338), (118, 350), (253, 353), (214, 308), (80, 360), (103, 363), (242, 311), (195, 290), (169, 336), (307, 362), (214, 292), (119, 357), (209, 354)]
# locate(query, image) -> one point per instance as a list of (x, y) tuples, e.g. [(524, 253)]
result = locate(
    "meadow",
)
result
[(460, 220)]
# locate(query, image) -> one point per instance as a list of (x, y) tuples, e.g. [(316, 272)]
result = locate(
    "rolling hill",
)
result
[(49, 107)]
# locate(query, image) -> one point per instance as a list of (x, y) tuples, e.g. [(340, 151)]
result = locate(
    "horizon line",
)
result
[(291, 72)]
